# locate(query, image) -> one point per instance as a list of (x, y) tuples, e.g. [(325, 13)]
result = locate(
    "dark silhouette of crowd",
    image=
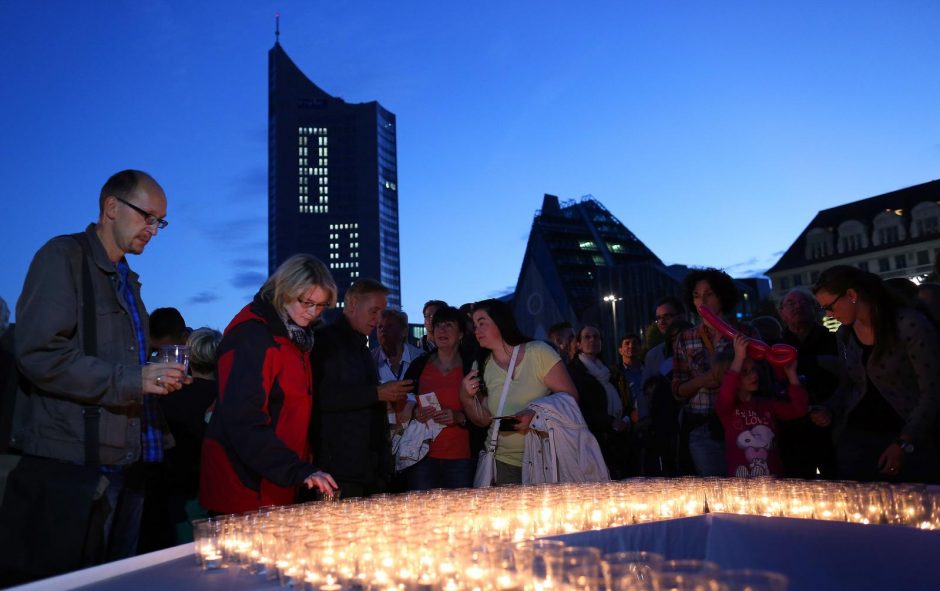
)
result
[(282, 407)]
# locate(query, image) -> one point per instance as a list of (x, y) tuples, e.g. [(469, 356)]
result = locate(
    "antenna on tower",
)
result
[(277, 27)]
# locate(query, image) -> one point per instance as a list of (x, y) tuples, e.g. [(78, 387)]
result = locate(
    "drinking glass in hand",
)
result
[(174, 354)]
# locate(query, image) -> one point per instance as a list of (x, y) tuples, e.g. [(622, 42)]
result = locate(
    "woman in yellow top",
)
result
[(539, 371)]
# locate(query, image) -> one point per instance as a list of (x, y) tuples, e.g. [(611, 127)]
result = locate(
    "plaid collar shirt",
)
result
[(152, 426), (692, 359)]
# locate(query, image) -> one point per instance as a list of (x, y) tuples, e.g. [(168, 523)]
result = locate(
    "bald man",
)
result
[(90, 397)]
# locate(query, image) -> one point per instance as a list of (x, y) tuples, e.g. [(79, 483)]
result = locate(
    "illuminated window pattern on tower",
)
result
[(312, 147), (344, 249)]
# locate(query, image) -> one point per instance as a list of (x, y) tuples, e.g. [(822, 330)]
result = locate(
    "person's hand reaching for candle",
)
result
[(322, 482)]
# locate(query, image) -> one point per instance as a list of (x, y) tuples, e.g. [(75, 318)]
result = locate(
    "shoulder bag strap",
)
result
[(89, 321), (91, 414), (494, 428)]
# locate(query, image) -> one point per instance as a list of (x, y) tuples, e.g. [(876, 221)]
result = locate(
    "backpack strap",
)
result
[(91, 414)]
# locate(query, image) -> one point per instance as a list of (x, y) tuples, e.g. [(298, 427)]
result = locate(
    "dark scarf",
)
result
[(300, 336)]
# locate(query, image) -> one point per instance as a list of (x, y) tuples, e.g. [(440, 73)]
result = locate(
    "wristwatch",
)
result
[(905, 445)]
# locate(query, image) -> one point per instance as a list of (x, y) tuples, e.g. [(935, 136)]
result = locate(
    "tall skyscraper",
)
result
[(332, 179)]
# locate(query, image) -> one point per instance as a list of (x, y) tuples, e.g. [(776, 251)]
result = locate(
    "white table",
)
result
[(816, 555)]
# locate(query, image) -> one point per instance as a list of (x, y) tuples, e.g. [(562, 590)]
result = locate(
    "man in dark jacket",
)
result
[(80, 390), (349, 431)]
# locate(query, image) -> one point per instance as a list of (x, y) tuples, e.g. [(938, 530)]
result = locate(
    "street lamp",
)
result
[(613, 307)]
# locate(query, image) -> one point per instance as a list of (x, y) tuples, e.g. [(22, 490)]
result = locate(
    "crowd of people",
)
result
[(284, 407)]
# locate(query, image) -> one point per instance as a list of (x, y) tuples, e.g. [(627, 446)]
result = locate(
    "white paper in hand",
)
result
[(429, 399)]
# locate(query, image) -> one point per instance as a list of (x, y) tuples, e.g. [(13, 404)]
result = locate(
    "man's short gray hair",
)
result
[(803, 291), (398, 315)]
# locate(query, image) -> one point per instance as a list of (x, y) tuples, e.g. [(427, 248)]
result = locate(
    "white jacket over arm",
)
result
[(559, 447)]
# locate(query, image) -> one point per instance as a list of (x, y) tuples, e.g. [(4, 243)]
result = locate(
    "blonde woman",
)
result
[(256, 452)]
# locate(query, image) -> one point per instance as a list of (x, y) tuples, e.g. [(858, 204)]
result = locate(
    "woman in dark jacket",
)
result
[(885, 408), (256, 451), (185, 413), (606, 410)]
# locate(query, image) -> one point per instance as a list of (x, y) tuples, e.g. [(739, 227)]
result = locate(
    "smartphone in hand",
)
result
[(508, 424)]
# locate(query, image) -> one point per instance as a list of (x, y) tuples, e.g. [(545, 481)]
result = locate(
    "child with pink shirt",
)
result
[(750, 422)]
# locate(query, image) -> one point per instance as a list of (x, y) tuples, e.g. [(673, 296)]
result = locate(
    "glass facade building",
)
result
[(332, 180), (579, 253)]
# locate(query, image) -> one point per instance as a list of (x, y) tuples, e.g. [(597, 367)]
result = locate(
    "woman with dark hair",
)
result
[(701, 353), (437, 376), (538, 372), (885, 408)]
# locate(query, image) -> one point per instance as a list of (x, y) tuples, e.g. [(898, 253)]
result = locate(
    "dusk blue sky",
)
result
[(713, 130)]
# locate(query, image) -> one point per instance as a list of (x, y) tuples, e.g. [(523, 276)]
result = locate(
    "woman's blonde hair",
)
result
[(295, 276)]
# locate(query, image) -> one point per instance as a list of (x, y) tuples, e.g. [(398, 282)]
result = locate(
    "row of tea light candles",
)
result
[(448, 539)]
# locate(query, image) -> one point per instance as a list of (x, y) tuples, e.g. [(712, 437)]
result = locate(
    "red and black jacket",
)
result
[(256, 451)]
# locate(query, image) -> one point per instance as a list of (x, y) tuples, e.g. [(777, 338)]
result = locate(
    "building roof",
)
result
[(865, 211), (283, 65), (581, 236)]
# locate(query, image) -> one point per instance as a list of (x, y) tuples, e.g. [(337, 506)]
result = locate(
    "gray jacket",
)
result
[(908, 376), (48, 344)]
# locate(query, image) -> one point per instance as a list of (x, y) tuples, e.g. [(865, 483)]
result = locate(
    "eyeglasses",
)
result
[(149, 218), (312, 305), (665, 317), (828, 307)]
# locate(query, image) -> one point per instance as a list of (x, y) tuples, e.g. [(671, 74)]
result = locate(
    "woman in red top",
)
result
[(448, 463), (750, 423)]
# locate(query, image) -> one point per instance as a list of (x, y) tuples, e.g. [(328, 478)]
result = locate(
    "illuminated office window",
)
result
[(305, 171)]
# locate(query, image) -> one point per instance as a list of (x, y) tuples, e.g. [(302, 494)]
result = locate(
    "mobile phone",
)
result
[(508, 424)]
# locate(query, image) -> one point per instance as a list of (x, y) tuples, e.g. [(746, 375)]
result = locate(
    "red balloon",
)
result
[(757, 349), (782, 355), (717, 323), (779, 355)]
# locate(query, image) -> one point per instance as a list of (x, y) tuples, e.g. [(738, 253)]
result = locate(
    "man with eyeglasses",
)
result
[(805, 449), (89, 397), (393, 357), (668, 310)]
